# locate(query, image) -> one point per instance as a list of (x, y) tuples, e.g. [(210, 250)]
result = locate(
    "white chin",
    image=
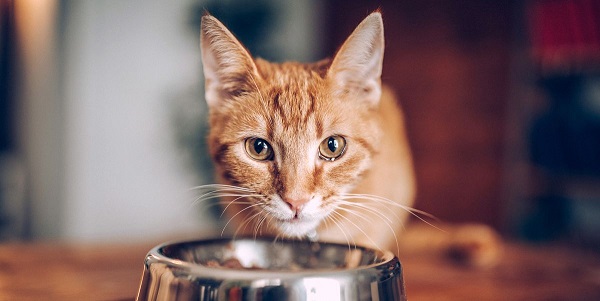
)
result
[(296, 228)]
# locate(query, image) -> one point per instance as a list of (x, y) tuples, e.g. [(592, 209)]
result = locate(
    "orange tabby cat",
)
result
[(308, 150)]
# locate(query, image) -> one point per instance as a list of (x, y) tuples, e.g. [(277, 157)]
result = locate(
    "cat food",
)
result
[(230, 263)]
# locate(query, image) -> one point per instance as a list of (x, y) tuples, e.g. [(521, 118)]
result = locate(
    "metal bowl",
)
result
[(268, 269)]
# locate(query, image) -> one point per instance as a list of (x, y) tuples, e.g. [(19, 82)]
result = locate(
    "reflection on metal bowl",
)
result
[(267, 269)]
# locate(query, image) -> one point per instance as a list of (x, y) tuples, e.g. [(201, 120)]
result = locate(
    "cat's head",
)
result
[(298, 135)]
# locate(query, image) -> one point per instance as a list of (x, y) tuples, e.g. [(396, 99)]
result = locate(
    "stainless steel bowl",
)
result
[(265, 269)]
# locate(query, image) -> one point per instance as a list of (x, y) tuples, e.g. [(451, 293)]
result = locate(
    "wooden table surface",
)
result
[(47, 271)]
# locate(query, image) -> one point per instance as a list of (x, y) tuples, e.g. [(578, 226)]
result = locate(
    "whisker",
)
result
[(235, 200), (238, 213), (337, 224), (276, 238), (219, 196), (359, 228), (215, 194), (222, 192), (379, 214), (271, 218), (213, 189), (349, 210), (372, 210), (390, 202), (369, 209), (412, 211), (220, 186), (219, 203), (258, 226), (245, 223)]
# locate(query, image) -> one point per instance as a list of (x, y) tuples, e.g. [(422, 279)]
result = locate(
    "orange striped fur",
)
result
[(363, 196)]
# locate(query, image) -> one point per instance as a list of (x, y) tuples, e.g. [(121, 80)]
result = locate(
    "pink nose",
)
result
[(296, 204)]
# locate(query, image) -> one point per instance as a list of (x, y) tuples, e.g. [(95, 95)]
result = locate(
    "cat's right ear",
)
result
[(229, 70), (356, 68)]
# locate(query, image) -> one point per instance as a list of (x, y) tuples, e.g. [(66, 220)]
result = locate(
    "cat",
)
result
[(309, 150)]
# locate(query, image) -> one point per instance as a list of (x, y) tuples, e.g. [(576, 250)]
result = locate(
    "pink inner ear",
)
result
[(228, 68), (356, 68)]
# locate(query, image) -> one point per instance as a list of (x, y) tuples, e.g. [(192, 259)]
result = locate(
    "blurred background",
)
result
[(102, 117)]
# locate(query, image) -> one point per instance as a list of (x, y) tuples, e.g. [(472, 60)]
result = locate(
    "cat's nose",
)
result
[(296, 204)]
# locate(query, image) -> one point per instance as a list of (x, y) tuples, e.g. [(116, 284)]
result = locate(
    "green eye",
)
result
[(259, 149), (332, 148)]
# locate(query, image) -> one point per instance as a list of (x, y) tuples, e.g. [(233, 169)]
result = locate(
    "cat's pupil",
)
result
[(332, 144), (260, 146)]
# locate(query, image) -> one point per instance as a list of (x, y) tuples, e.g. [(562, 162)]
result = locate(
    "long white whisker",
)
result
[(258, 226), (215, 195), (219, 195), (367, 208), (235, 200), (337, 224), (359, 228), (238, 213), (220, 186), (276, 238), (220, 204), (217, 188), (271, 218), (389, 202), (378, 213), (349, 210), (219, 192), (412, 211), (385, 218), (245, 223)]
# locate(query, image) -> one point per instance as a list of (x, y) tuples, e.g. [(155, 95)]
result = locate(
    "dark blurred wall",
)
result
[(449, 62), (6, 70)]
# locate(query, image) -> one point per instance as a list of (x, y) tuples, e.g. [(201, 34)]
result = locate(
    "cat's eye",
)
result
[(332, 147), (259, 149)]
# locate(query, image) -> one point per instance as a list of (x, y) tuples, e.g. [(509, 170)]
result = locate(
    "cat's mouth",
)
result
[(296, 219), (296, 226)]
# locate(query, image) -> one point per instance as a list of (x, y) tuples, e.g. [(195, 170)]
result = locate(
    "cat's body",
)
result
[(390, 176), (308, 147)]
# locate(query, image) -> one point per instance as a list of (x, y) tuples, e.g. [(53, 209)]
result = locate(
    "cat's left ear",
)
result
[(229, 70), (356, 68)]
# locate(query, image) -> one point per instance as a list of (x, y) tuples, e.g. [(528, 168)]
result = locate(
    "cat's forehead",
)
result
[(291, 100), (271, 69), (290, 77), (293, 91)]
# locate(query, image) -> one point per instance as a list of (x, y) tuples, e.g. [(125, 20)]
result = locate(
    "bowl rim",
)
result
[(389, 265)]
